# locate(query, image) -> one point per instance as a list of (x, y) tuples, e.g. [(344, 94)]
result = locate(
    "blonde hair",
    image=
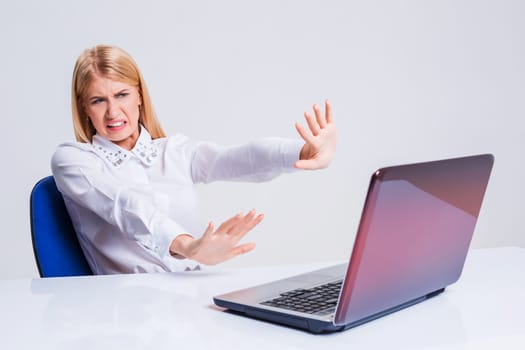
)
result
[(113, 63)]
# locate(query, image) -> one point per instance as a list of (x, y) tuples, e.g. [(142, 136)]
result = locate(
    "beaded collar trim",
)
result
[(145, 150)]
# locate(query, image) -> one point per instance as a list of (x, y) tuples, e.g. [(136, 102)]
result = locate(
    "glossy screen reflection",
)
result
[(414, 233)]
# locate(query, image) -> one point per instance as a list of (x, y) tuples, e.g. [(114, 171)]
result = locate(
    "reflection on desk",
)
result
[(484, 309)]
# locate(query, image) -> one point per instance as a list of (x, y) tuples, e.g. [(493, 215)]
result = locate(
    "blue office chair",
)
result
[(55, 244)]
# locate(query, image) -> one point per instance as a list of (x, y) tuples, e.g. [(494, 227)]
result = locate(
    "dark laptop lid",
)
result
[(414, 233)]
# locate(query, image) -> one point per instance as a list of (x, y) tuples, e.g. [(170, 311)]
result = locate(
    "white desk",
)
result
[(485, 309)]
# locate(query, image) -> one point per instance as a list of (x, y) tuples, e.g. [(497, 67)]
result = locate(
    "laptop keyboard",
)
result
[(320, 300)]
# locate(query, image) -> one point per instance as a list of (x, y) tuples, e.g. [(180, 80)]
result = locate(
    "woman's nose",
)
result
[(112, 110)]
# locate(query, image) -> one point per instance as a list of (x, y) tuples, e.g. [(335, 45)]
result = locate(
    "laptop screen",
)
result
[(414, 233)]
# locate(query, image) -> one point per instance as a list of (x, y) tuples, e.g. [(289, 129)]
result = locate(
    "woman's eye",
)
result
[(122, 94), (96, 101)]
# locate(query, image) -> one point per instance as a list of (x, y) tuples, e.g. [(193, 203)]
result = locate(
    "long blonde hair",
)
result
[(113, 63)]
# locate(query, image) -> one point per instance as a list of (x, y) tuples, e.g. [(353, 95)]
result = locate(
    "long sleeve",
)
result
[(256, 161)]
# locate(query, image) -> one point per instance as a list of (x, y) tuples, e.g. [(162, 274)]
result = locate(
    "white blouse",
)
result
[(128, 206)]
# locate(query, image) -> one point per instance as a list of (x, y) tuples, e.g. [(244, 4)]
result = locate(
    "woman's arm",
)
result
[(265, 159)]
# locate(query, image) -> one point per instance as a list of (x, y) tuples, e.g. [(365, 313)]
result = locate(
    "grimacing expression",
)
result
[(114, 110)]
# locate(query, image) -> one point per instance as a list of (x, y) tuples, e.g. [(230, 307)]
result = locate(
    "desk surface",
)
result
[(484, 309)]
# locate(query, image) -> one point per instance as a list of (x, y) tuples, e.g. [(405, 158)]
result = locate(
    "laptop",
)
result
[(412, 241)]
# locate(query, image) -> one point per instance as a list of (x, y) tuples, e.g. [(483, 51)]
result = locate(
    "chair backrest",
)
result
[(55, 243)]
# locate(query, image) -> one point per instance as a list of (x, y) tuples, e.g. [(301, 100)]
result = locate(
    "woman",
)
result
[(129, 189)]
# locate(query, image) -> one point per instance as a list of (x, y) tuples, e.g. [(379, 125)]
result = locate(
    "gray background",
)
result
[(409, 81)]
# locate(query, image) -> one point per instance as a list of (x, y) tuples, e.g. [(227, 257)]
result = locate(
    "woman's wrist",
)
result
[(179, 247)]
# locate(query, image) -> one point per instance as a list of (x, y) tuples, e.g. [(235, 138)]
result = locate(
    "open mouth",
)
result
[(116, 125)]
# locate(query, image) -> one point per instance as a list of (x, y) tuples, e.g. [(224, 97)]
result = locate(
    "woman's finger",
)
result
[(306, 164), (209, 230), (243, 228), (312, 124), (228, 224), (319, 116), (241, 249), (241, 223), (328, 111), (307, 137)]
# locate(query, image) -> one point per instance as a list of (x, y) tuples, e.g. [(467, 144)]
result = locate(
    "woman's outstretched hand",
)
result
[(320, 139), (218, 245)]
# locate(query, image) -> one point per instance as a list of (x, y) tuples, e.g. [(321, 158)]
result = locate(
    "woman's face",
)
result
[(113, 108)]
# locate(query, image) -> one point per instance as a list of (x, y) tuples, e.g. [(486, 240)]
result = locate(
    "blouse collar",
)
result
[(145, 150)]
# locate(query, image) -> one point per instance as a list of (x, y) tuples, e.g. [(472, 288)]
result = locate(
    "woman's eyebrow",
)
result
[(94, 97)]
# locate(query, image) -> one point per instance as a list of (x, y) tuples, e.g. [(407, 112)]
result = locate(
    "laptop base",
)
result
[(311, 325)]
